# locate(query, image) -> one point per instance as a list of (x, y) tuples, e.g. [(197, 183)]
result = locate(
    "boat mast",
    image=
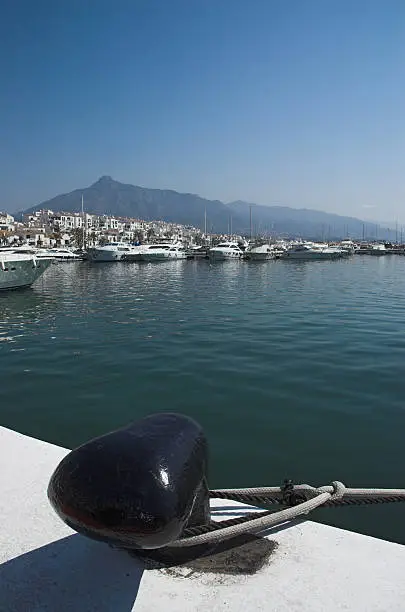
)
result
[(250, 216), (83, 225)]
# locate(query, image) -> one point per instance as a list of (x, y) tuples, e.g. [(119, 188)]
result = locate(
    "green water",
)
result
[(294, 369)]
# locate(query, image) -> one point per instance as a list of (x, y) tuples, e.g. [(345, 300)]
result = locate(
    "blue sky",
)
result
[(294, 102)]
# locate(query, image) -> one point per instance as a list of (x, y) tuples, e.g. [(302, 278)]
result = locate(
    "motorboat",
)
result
[(26, 249), (348, 246), (261, 252), (372, 249), (197, 252), (225, 250), (163, 252), (64, 254), (311, 251), (57, 253), (114, 251), (19, 270), (340, 251), (160, 250)]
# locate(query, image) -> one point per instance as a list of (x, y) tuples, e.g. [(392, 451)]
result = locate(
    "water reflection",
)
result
[(30, 303), (287, 352)]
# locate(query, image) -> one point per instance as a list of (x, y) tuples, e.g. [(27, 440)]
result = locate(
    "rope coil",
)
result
[(299, 499)]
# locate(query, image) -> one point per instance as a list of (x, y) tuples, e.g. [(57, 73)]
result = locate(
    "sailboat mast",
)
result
[(83, 224)]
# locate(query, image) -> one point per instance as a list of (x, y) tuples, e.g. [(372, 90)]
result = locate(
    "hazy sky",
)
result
[(296, 102)]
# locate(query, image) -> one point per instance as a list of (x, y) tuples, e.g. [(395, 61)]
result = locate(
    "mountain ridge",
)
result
[(111, 197)]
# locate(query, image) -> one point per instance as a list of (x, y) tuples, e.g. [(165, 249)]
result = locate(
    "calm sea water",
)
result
[(295, 369)]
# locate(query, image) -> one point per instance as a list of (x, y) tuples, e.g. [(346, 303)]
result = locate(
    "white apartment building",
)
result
[(110, 223), (6, 221), (71, 221)]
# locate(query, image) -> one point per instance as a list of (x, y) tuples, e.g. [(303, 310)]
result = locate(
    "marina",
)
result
[(202, 298), (165, 249), (21, 258), (269, 357)]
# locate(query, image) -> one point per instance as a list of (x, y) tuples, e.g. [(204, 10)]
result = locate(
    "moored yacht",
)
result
[(311, 251), (225, 250), (19, 270), (372, 249), (26, 249), (162, 249), (348, 246), (64, 254), (114, 251), (163, 252), (261, 252), (339, 250)]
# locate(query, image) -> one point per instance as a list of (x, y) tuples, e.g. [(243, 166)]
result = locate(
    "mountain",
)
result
[(301, 222), (110, 197), (107, 196)]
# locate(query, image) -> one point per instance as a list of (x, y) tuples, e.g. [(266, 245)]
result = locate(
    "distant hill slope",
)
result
[(110, 197), (299, 221), (107, 196)]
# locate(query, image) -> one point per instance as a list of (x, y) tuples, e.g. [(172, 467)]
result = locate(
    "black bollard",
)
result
[(137, 487)]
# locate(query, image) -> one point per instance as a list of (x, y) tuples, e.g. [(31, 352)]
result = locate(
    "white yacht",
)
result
[(64, 254), (225, 250), (160, 250), (26, 249), (163, 252), (372, 249), (378, 249), (56, 253), (340, 251), (19, 270), (311, 251), (349, 246), (261, 252), (114, 251)]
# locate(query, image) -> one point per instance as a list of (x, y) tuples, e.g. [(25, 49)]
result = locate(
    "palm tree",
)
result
[(138, 236), (150, 234), (57, 236), (78, 238)]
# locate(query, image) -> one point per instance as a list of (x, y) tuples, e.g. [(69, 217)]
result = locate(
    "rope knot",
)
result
[(339, 489), (336, 490)]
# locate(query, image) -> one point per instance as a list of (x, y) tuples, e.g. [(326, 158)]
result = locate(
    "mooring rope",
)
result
[(299, 499)]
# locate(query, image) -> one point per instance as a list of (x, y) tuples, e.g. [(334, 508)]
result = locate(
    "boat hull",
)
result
[(101, 255), (150, 257), (373, 252), (223, 255), (68, 257), (20, 273), (310, 256), (259, 256)]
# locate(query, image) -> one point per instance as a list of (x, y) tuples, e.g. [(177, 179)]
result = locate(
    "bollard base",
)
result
[(243, 555)]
